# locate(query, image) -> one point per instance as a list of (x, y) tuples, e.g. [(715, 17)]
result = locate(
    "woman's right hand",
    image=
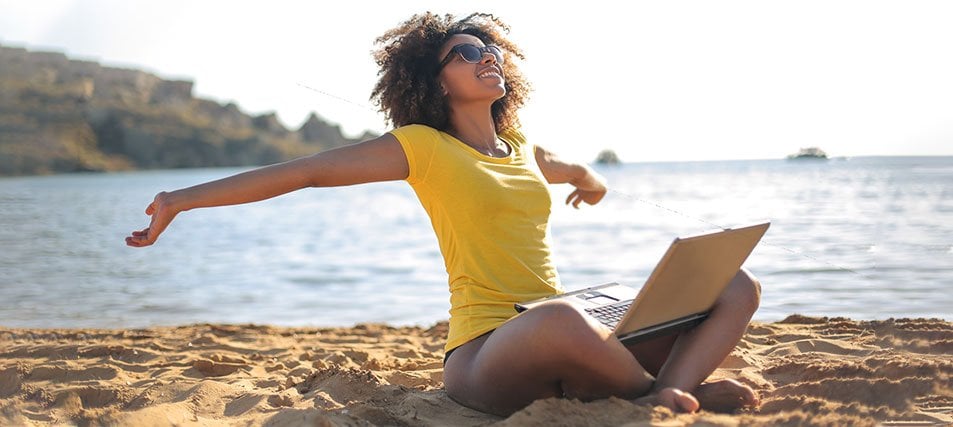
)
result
[(162, 213)]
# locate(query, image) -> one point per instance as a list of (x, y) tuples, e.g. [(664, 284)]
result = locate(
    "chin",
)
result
[(500, 92)]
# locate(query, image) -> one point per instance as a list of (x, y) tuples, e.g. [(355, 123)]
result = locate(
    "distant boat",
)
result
[(811, 153), (607, 157)]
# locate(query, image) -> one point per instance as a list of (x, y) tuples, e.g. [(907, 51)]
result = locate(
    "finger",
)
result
[(573, 197), (138, 236), (151, 209), (135, 242)]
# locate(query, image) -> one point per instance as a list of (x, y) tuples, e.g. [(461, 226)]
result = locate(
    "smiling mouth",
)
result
[(490, 73)]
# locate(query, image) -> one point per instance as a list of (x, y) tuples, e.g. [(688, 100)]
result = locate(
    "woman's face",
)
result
[(466, 82)]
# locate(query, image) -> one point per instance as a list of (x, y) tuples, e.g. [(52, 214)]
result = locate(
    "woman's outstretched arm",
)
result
[(379, 159)]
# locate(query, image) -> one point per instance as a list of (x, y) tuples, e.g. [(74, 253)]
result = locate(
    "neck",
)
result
[(474, 126)]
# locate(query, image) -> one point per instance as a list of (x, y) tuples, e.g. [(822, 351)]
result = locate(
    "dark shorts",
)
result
[(447, 356)]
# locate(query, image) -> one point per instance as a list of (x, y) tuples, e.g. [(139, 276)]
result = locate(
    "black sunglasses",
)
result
[(472, 53)]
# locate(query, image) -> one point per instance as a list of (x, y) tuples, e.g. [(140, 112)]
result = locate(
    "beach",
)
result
[(808, 371)]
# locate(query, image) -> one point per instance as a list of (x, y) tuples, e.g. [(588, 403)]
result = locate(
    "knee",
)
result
[(745, 291), (562, 323), (562, 313)]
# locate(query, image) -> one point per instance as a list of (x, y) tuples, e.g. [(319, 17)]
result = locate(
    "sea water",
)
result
[(867, 238)]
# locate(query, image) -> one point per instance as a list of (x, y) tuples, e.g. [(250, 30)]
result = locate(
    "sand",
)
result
[(809, 371)]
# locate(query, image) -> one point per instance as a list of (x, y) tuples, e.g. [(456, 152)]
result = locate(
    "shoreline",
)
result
[(808, 370)]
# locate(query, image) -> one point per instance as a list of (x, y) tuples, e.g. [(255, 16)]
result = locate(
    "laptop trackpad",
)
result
[(598, 298)]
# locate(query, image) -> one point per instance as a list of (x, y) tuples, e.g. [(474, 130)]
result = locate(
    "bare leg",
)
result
[(694, 354), (549, 351)]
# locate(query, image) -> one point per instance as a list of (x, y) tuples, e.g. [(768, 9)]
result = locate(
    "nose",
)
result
[(488, 58)]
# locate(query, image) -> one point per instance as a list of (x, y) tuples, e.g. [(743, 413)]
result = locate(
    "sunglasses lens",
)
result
[(497, 53), (473, 54)]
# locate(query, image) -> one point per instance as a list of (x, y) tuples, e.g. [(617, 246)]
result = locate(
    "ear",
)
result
[(443, 85)]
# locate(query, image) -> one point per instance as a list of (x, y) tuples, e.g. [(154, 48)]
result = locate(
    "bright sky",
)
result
[(672, 80)]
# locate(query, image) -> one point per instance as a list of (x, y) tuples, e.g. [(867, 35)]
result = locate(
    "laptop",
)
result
[(678, 294)]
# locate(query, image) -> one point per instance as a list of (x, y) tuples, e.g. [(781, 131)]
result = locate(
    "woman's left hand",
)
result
[(589, 196)]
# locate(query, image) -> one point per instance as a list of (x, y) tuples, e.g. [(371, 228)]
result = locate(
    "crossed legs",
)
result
[(556, 351)]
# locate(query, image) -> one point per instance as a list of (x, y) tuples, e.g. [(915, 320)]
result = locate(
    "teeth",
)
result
[(489, 73)]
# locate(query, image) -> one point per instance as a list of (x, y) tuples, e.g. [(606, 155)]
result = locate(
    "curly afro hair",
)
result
[(408, 91)]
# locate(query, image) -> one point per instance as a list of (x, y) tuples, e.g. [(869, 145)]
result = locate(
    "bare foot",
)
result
[(671, 398), (725, 396)]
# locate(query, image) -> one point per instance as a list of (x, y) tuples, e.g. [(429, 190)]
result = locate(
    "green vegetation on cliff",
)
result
[(60, 115)]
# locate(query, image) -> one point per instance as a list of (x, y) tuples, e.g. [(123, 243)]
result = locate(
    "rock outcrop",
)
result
[(63, 115)]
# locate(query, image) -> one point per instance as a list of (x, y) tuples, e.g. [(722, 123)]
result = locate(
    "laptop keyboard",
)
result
[(610, 314)]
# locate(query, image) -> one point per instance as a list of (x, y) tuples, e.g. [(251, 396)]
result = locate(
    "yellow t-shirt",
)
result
[(491, 217)]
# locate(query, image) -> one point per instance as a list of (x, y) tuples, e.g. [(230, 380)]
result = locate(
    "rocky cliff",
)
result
[(62, 115)]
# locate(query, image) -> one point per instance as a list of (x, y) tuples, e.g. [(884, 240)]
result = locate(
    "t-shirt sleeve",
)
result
[(419, 143)]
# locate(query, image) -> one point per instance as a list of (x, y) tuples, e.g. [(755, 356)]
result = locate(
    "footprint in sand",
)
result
[(817, 346)]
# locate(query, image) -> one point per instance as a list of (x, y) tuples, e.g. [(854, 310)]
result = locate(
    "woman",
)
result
[(452, 92)]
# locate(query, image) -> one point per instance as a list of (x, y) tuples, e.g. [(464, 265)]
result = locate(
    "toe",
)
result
[(678, 400)]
